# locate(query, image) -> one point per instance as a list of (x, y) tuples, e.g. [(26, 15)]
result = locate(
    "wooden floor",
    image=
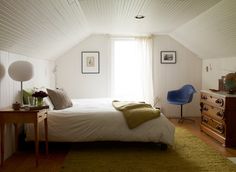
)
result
[(23, 161)]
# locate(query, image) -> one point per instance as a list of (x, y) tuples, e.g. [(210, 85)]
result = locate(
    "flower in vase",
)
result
[(39, 95)]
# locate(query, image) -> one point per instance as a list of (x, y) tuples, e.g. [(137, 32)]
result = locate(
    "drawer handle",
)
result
[(220, 102), (201, 107), (205, 120), (220, 114), (204, 97), (205, 109), (220, 128)]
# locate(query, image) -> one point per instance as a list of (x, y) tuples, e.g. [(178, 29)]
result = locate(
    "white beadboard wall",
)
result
[(9, 89), (166, 76), (216, 68)]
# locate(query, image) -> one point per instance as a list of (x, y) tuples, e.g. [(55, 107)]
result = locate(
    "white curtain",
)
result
[(132, 69), (144, 47)]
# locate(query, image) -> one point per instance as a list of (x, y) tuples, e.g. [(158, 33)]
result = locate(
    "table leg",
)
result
[(36, 133), (16, 136), (2, 143), (46, 134)]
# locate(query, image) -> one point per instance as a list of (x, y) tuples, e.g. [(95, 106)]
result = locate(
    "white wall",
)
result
[(167, 77), (9, 89), (216, 68), (78, 85)]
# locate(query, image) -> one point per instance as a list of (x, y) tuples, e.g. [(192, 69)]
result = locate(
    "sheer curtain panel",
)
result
[(132, 69)]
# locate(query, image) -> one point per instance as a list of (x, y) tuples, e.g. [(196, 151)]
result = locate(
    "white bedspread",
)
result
[(97, 120)]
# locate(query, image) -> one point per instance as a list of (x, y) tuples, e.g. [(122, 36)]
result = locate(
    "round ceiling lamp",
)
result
[(139, 17)]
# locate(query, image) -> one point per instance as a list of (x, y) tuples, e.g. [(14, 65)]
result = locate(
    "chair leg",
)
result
[(181, 114), (181, 120)]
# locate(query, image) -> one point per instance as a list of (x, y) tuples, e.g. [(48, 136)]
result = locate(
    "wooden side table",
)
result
[(23, 116)]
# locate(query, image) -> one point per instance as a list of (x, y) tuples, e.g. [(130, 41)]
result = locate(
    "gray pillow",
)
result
[(59, 99)]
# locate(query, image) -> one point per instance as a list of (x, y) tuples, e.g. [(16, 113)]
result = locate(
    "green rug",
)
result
[(188, 154)]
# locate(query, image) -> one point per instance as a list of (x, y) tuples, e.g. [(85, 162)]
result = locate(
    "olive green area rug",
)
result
[(188, 154)]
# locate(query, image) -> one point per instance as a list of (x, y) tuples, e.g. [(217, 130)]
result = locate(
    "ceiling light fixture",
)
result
[(139, 17)]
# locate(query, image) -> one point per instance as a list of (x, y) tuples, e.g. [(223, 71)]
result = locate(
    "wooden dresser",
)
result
[(218, 116)]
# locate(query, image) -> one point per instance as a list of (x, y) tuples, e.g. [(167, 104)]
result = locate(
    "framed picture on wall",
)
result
[(90, 62), (168, 57)]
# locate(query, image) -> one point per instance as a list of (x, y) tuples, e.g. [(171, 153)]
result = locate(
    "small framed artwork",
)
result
[(168, 57), (90, 62)]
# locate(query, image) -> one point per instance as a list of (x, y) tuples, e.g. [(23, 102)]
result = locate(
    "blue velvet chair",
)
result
[(180, 97)]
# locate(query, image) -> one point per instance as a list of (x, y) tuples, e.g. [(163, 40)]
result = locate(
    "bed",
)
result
[(97, 120)]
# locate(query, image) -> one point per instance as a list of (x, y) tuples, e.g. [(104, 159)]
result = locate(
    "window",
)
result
[(129, 69)]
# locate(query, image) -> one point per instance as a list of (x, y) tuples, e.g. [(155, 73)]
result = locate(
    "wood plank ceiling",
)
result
[(47, 28), (212, 34)]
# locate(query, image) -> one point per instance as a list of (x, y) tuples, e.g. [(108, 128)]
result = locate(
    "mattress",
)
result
[(97, 120)]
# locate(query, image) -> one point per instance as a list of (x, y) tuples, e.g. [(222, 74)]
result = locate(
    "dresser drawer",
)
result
[(213, 112), (213, 124), (213, 100)]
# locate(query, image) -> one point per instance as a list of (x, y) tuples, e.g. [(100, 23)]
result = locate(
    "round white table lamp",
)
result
[(21, 71)]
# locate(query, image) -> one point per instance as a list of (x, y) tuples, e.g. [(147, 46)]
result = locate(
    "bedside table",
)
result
[(23, 116)]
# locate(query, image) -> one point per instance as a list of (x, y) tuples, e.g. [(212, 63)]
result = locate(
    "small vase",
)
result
[(39, 101)]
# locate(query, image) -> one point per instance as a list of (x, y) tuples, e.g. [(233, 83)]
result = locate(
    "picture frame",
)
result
[(168, 57), (90, 62)]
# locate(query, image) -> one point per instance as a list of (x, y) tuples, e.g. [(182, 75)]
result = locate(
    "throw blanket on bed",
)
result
[(136, 113)]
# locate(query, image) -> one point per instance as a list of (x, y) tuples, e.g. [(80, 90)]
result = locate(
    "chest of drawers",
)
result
[(218, 116)]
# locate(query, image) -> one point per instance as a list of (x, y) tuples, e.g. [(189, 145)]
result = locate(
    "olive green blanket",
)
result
[(136, 113)]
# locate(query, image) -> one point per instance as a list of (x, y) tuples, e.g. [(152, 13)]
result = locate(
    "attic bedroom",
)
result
[(117, 85)]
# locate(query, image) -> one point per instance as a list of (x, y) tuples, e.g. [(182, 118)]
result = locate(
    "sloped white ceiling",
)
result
[(161, 16), (212, 34), (41, 28), (47, 28)]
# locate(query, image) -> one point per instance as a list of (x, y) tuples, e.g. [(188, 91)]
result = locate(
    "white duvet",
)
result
[(97, 120)]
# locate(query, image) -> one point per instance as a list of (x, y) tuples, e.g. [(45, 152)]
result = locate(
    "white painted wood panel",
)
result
[(212, 34), (9, 89), (40, 29), (48, 28), (161, 16)]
